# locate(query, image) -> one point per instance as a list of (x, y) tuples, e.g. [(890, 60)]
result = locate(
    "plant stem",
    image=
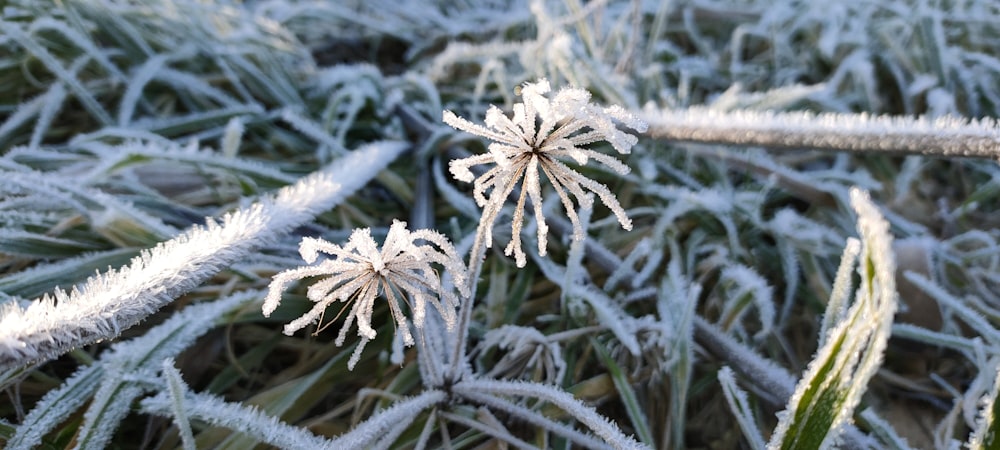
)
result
[(465, 309), (853, 133)]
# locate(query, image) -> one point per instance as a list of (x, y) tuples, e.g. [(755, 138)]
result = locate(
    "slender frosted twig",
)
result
[(965, 345), (458, 362), (863, 133), (764, 374), (425, 432), (108, 303)]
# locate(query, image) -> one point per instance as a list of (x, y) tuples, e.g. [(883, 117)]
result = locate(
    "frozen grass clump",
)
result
[(801, 244)]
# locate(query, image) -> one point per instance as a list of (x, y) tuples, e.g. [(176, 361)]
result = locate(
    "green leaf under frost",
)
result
[(629, 398), (832, 386), (986, 436)]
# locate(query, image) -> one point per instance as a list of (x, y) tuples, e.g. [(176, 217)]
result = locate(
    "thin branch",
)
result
[(861, 133)]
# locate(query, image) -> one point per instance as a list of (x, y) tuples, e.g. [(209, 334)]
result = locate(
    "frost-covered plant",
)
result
[(106, 151), (359, 273), (107, 303), (521, 146)]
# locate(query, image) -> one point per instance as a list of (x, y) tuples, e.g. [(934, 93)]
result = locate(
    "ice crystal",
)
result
[(360, 272), (521, 145)]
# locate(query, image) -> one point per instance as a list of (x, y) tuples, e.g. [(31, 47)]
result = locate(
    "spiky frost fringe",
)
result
[(108, 303)]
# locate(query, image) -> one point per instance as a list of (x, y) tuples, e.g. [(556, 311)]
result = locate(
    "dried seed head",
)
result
[(539, 135)]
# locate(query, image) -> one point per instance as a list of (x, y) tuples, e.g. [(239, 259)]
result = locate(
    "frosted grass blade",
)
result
[(163, 341), (740, 406), (597, 423), (79, 91), (825, 398), (881, 428), (246, 419), (629, 398), (115, 300), (176, 387), (986, 435)]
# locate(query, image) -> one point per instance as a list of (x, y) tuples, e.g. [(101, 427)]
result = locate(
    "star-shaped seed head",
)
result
[(359, 273), (540, 135)]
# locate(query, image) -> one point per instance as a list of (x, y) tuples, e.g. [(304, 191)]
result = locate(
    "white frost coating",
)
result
[(113, 155), (944, 136), (986, 419), (739, 404), (597, 423), (609, 313), (371, 430), (533, 417), (360, 273), (836, 307), (110, 302), (748, 282), (312, 130), (15, 33), (528, 350), (26, 111), (165, 340), (232, 138), (245, 419), (176, 389), (854, 349), (613, 316), (54, 102), (101, 208), (804, 232), (541, 133), (133, 92), (958, 306), (626, 269), (55, 407), (884, 430)]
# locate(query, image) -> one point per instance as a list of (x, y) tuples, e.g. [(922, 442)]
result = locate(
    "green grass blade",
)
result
[(832, 386), (986, 436), (740, 406), (628, 396)]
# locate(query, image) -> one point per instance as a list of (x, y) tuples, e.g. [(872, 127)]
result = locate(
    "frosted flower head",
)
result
[(541, 134), (359, 273)]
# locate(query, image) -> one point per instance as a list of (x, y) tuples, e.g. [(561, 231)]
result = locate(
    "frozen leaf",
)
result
[(825, 398)]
